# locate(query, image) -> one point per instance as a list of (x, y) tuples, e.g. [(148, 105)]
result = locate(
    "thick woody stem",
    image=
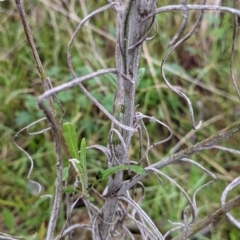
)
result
[(130, 31)]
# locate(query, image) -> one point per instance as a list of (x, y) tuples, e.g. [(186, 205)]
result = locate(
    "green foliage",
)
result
[(8, 219), (69, 189), (65, 96), (70, 136), (83, 162), (200, 61), (23, 118), (77, 160), (65, 173), (141, 72), (101, 175)]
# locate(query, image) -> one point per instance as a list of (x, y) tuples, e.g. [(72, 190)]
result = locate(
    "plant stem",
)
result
[(211, 218), (130, 31)]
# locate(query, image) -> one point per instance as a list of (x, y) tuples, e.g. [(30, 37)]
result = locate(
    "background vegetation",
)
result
[(200, 67)]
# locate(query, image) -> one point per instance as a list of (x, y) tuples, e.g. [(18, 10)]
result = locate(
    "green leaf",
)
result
[(83, 154), (174, 68), (53, 71), (81, 174), (65, 173), (83, 162), (22, 118), (69, 189), (106, 173), (112, 80), (134, 168), (91, 199), (137, 169), (101, 175), (141, 72), (8, 219), (77, 166), (70, 136), (65, 96)]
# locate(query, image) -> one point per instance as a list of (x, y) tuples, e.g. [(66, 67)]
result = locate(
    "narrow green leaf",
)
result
[(68, 189), (77, 166), (83, 162), (112, 80), (141, 72), (134, 168), (137, 169), (8, 219), (65, 173), (70, 136), (106, 173), (81, 174), (83, 154), (101, 175)]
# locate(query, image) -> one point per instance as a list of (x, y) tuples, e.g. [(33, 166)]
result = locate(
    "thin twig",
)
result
[(51, 92), (157, 234), (58, 190), (233, 184), (73, 227), (30, 40), (196, 7), (174, 89), (198, 147), (211, 218), (69, 61), (183, 25)]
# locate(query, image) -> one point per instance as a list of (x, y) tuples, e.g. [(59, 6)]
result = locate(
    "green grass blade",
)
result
[(112, 80), (141, 72), (83, 162), (137, 169), (101, 175), (70, 136), (65, 173), (69, 189), (134, 168), (83, 154)]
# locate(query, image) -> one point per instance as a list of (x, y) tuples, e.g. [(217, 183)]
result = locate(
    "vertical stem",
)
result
[(56, 127), (59, 164), (30, 40), (131, 29)]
